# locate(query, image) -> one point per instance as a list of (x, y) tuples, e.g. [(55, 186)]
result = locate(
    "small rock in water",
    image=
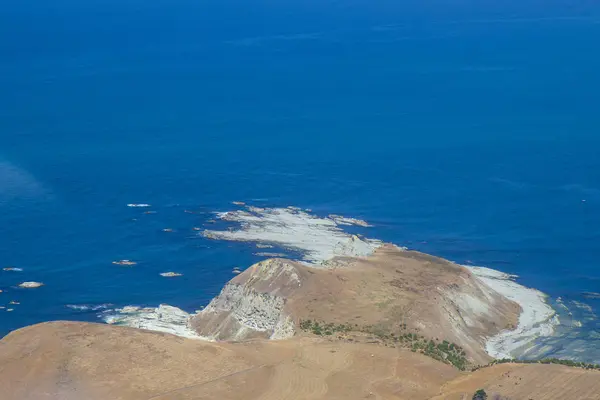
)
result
[(30, 285), (124, 262), (170, 274)]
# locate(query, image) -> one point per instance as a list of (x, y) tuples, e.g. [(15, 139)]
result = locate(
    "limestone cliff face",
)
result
[(252, 305)]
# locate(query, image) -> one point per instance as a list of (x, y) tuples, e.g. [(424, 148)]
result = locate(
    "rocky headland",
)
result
[(390, 294)]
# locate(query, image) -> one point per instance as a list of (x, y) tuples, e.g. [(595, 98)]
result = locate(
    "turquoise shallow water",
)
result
[(464, 130)]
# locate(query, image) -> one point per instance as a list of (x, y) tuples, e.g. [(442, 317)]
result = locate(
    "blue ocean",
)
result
[(465, 129)]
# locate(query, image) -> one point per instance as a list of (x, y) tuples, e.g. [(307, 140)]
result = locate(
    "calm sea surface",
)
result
[(465, 129)]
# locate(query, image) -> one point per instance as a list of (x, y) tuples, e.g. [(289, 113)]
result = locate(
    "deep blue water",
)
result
[(465, 129)]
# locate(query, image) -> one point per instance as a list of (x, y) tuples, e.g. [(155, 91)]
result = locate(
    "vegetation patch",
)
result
[(321, 329), (568, 363), (480, 395), (443, 351)]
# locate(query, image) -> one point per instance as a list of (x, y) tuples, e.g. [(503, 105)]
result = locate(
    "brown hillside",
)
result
[(79, 361), (76, 361)]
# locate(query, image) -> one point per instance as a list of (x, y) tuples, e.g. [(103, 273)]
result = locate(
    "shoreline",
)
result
[(537, 317), (322, 239)]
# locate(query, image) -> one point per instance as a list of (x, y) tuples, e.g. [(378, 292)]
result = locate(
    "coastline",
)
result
[(537, 318), (320, 240)]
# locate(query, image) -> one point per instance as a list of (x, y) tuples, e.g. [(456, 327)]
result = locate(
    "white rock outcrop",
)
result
[(245, 308), (164, 318), (252, 304), (319, 239), (170, 274), (30, 285)]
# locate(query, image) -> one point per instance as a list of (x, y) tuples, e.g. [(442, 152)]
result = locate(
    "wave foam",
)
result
[(537, 318), (88, 307), (320, 239)]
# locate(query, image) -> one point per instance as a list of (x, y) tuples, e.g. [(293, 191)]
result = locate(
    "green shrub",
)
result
[(445, 351)]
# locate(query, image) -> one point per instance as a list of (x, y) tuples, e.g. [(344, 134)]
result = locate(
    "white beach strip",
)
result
[(537, 318), (165, 318), (320, 239)]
